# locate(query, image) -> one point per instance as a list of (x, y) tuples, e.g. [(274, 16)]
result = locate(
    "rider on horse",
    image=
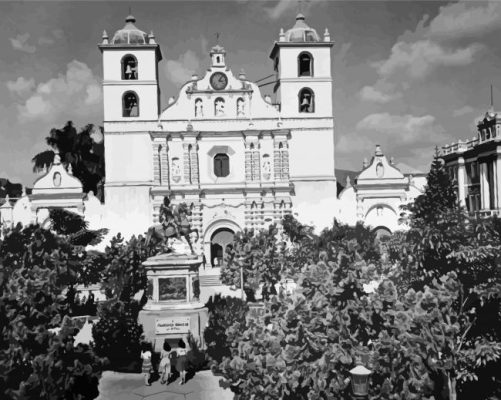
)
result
[(166, 216)]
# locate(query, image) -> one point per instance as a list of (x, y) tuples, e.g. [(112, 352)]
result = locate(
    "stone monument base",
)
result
[(173, 310), (174, 323)]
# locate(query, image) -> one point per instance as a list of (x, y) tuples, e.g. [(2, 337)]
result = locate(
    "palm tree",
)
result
[(84, 151)]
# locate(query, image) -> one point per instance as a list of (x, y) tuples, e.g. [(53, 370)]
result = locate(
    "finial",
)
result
[(365, 163), (218, 34), (327, 35), (194, 77), (57, 158), (378, 152), (151, 38), (300, 17), (282, 35), (23, 191), (348, 181), (105, 38), (130, 18), (392, 160), (267, 98), (7, 199), (70, 169), (171, 100), (241, 75)]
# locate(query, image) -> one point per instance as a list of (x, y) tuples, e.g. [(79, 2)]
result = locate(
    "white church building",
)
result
[(237, 158)]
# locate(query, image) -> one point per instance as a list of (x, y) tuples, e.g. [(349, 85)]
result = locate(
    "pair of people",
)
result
[(165, 367)]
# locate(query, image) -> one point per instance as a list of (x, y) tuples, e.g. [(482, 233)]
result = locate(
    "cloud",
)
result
[(406, 128), (180, 71), (370, 93), (75, 93), (434, 44), (45, 40), (418, 59), (465, 19), (409, 136), (20, 42), (462, 111), (283, 6), (21, 86)]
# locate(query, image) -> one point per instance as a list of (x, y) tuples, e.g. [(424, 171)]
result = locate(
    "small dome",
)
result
[(301, 32), (129, 34)]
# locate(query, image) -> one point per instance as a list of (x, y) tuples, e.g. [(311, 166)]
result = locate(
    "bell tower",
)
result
[(130, 74), (302, 62), (131, 100)]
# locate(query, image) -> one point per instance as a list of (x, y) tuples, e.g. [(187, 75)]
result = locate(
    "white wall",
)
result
[(311, 153), (129, 157)]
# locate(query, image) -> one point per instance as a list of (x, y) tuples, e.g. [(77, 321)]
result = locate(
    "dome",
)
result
[(301, 32), (129, 34)]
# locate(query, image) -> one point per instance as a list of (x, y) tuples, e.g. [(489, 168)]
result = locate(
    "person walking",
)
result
[(165, 364), (146, 357), (181, 360)]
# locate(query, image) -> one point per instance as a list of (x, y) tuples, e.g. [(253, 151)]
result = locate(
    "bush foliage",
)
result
[(430, 328)]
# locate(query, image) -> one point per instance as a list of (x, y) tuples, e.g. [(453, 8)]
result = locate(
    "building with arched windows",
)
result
[(377, 192), (237, 157)]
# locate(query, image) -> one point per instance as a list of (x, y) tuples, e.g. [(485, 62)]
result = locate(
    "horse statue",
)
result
[(174, 223)]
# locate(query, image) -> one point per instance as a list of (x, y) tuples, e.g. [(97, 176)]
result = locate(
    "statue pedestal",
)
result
[(173, 309)]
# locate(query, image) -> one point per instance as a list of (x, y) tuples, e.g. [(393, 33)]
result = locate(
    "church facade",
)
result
[(237, 158)]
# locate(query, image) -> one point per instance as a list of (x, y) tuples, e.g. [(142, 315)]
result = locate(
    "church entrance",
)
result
[(218, 242)]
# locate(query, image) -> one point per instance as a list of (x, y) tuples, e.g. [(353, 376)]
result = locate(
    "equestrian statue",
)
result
[(174, 223)]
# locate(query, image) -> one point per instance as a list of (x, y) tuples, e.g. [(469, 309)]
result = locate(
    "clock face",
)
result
[(218, 80)]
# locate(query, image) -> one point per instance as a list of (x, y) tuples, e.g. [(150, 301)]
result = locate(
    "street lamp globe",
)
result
[(360, 380)]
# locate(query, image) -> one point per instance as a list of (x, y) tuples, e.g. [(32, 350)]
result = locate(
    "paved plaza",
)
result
[(122, 386)]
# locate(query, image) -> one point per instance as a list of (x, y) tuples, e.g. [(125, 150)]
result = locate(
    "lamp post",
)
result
[(241, 261), (360, 381)]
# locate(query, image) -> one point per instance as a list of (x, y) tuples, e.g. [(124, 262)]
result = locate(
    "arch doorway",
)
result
[(382, 231), (221, 238)]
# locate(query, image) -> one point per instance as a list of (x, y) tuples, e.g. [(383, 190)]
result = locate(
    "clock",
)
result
[(218, 80)]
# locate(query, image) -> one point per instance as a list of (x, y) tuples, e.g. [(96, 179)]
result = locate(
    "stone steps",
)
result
[(210, 280)]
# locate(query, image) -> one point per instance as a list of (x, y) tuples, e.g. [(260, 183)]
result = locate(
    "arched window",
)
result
[(199, 108), (219, 107), (130, 104), (306, 101), (305, 64), (221, 165), (240, 107), (129, 67), (266, 167)]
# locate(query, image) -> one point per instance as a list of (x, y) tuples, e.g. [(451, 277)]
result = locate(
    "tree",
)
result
[(38, 265), (259, 254), (438, 339), (439, 195), (117, 334), (84, 151), (443, 240), (223, 312), (435, 326)]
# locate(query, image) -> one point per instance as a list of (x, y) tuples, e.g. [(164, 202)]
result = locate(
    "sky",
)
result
[(406, 75)]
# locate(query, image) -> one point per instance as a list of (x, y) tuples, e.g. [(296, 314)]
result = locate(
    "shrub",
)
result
[(223, 313), (117, 335)]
